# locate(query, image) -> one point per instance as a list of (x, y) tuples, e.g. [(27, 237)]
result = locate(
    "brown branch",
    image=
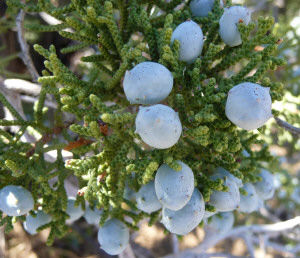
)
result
[(287, 126)]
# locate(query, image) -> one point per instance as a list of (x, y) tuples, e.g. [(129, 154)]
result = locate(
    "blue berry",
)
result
[(201, 8), (183, 221), (265, 189), (208, 214), (113, 236), (222, 222), (229, 31), (226, 173), (92, 216), (159, 126), (146, 198), (248, 202), (174, 188), (147, 83), (15, 200), (249, 105), (74, 212), (190, 36), (225, 201), (33, 223)]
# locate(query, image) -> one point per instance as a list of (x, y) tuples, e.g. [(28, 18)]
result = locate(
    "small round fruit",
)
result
[(147, 83), (174, 188), (229, 31), (225, 201), (129, 194), (33, 223), (113, 236), (265, 189), (159, 126), (74, 212), (224, 172), (92, 216), (190, 36), (248, 202), (208, 214), (248, 105), (146, 198), (183, 221), (222, 222), (15, 200), (201, 8), (260, 204)]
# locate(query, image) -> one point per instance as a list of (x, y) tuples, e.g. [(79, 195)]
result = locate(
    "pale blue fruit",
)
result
[(129, 194), (15, 200), (74, 212), (183, 221), (265, 189), (260, 204), (224, 172), (113, 236), (225, 201), (174, 188), (248, 202), (146, 198), (229, 31), (159, 126), (190, 36), (147, 83), (222, 222), (248, 105), (92, 216), (201, 8), (33, 223), (208, 214)]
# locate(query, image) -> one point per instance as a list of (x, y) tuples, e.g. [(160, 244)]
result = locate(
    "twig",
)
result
[(175, 244), (280, 248), (263, 241), (33, 99), (249, 243), (238, 231), (267, 214), (127, 253), (49, 19), (287, 126), (216, 255), (205, 255), (21, 87), (24, 47)]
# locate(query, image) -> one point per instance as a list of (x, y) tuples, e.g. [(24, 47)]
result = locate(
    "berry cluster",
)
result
[(165, 132)]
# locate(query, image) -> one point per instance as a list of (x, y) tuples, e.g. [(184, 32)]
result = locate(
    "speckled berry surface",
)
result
[(174, 188), (249, 105), (190, 36), (113, 236), (147, 83), (159, 126)]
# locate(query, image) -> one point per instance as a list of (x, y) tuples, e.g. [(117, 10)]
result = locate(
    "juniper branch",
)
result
[(287, 126)]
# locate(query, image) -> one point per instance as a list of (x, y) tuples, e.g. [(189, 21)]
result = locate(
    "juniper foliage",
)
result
[(106, 150)]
